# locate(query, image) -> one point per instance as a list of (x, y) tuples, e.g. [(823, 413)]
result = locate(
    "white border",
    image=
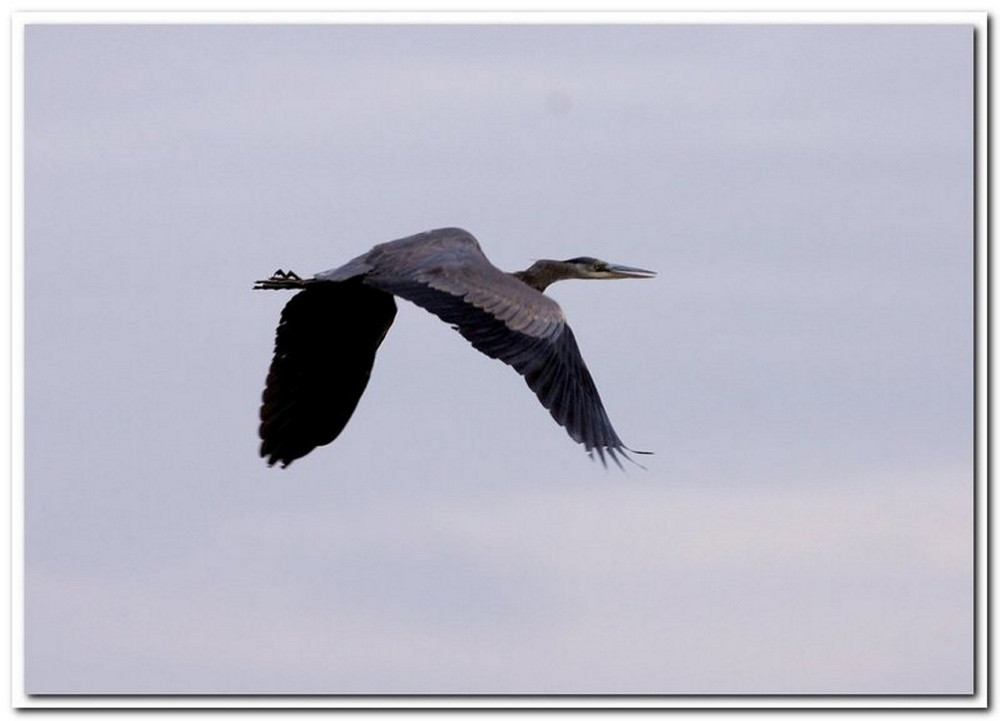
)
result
[(16, 448), (475, 17), (981, 331), (16, 274)]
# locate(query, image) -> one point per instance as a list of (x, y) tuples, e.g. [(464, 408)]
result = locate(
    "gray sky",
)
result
[(802, 367)]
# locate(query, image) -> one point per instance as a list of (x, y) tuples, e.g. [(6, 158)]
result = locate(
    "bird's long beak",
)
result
[(624, 271)]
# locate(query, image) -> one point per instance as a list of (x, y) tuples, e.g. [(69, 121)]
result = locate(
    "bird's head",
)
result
[(588, 268), (544, 273)]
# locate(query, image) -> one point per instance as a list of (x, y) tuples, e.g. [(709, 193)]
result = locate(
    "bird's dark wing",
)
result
[(506, 319), (323, 354)]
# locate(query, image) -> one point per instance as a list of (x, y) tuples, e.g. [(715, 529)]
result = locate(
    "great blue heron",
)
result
[(326, 341)]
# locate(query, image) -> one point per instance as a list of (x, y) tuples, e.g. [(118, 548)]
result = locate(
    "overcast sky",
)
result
[(802, 366)]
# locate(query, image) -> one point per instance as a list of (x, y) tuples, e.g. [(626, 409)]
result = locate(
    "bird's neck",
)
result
[(539, 276)]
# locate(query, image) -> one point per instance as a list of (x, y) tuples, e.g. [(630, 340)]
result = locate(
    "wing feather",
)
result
[(323, 354), (551, 364)]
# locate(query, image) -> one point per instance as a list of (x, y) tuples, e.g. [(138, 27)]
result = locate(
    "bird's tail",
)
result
[(281, 280)]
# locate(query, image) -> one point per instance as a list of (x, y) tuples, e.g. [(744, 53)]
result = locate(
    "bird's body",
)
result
[(329, 332)]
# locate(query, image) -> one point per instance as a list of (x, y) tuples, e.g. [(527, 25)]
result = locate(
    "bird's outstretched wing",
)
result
[(323, 354), (506, 319)]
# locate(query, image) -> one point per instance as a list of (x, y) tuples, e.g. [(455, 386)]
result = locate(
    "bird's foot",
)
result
[(280, 280)]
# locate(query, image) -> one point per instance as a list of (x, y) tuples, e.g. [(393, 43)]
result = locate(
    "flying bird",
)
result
[(329, 332)]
